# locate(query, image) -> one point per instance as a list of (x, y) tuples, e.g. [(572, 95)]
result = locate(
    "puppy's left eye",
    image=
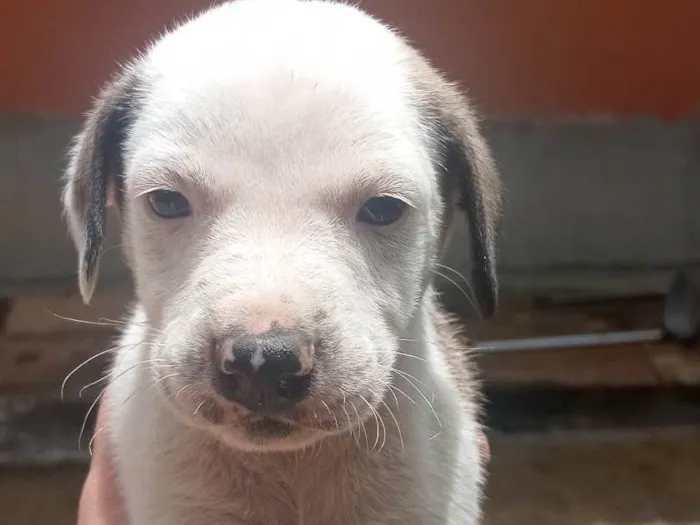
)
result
[(381, 211), (169, 204)]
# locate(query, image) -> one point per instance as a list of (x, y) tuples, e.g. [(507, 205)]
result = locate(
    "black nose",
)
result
[(265, 373)]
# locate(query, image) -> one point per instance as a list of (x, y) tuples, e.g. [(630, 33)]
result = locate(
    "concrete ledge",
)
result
[(46, 337)]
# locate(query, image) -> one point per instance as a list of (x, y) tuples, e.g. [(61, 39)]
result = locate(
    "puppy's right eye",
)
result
[(381, 211), (169, 204)]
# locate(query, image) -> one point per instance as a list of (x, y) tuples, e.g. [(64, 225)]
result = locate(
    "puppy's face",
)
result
[(283, 201)]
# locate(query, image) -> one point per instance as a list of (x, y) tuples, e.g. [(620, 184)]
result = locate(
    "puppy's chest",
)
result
[(297, 498), (303, 495)]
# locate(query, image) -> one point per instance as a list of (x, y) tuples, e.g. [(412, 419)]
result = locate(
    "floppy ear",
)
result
[(471, 183), (94, 174)]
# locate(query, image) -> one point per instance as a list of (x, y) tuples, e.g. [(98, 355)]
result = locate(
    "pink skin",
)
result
[(100, 500)]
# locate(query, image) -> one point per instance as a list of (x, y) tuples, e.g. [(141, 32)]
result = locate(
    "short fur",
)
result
[(278, 120)]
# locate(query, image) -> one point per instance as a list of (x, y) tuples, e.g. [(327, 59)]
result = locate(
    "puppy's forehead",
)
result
[(245, 41), (255, 82)]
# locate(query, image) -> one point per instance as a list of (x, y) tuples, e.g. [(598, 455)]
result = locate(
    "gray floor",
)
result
[(629, 481), (625, 481)]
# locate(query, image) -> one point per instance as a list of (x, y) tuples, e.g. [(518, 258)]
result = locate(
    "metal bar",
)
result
[(570, 341)]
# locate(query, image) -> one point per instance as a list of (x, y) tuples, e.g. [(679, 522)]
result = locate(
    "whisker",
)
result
[(81, 365), (430, 405), (94, 383), (337, 425), (352, 427), (396, 399), (117, 322), (466, 295), (394, 387), (111, 374), (403, 354), (128, 398), (82, 321), (105, 321), (161, 379), (199, 407), (94, 404), (347, 416), (374, 413), (396, 422), (181, 391), (360, 424), (87, 416), (115, 348), (384, 431), (466, 281), (92, 439), (458, 274), (409, 377)]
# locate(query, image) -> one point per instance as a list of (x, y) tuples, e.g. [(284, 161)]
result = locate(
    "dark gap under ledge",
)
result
[(46, 433)]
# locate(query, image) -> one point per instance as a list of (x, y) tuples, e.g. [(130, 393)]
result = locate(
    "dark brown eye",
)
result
[(381, 211), (169, 204)]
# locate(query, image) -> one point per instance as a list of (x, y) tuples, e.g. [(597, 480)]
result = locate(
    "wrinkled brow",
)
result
[(183, 171), (168, 172), (362, 186)]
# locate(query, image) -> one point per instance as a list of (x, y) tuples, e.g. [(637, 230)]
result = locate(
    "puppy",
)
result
[(286, 173)]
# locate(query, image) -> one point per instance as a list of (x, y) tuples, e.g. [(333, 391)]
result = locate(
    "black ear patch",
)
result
[(459, 177), (96, 168), (470, 182)]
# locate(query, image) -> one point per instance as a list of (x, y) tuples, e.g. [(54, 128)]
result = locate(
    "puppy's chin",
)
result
[(261, 434)]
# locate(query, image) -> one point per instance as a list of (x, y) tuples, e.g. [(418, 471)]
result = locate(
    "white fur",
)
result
[(278, 119)]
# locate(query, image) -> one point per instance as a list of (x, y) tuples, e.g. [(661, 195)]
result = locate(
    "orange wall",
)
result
[(518, 57)]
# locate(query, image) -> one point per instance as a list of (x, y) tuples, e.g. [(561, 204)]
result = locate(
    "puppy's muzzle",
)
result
[(266, 373)]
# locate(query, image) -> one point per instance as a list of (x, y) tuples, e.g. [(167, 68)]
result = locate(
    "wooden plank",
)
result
[(44, 315), (46, 336), (38, 348), (38, 364), (676, 365), (521, 317), (580, 367)]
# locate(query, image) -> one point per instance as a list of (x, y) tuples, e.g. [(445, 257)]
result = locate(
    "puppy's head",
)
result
[(286, 174)]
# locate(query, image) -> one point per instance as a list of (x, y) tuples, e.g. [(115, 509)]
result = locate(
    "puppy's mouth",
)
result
[(302, 424), (265, 427), (221, 418)]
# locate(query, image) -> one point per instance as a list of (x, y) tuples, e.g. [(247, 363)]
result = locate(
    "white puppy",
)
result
[(286, 173)]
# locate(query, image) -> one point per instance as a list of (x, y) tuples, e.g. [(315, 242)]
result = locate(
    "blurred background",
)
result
[(590, 107)]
